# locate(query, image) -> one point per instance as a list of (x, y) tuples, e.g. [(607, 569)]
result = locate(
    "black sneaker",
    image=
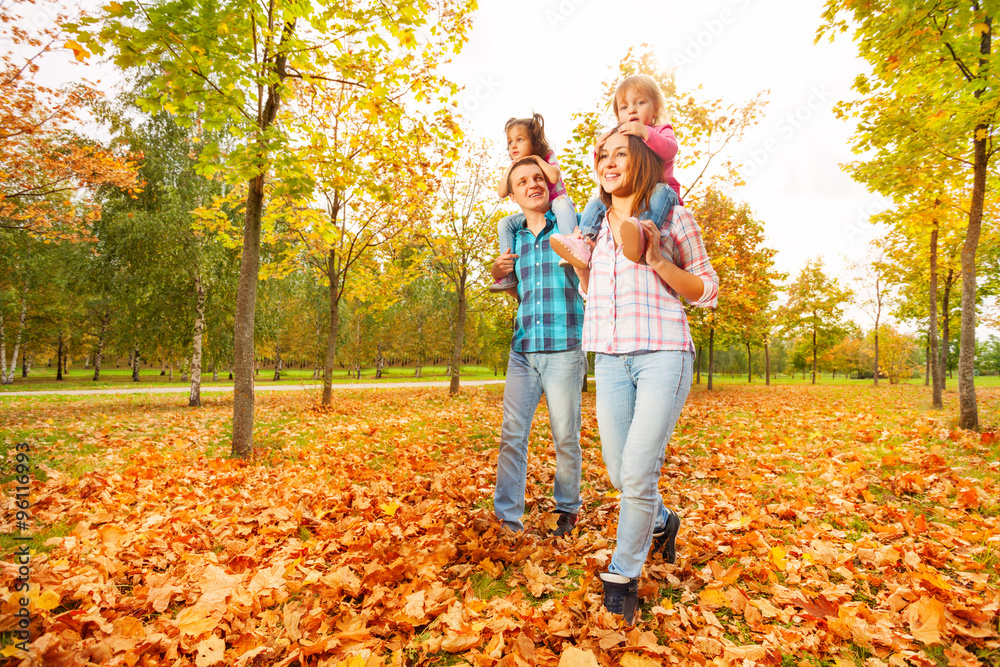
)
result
[(665, 539), (621, 594), (565, 524)]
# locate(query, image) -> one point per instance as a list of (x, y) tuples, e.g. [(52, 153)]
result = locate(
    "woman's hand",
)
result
[(653, 255)]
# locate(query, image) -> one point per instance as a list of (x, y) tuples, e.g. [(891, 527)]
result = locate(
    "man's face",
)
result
[(529, 188)]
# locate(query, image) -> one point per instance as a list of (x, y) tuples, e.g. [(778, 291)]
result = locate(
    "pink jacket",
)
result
[(664, 143)]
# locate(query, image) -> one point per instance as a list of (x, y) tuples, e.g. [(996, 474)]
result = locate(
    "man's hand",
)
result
[(636, 128), (503, 264)]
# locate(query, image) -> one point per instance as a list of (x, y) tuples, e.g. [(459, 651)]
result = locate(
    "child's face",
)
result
[(518, 143), (635, 107)]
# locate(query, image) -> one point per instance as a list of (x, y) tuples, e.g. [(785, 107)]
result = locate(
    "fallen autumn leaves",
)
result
[(817, 529)]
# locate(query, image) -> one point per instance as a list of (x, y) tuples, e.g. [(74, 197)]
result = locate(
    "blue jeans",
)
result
[(660, 202), (639, 398), (562, 208), (559, 375)]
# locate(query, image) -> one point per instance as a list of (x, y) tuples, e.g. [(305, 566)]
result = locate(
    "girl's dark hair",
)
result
[(644, 171), (535, 127)]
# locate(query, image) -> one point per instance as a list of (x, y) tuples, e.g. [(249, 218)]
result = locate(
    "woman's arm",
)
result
[(692, 276)]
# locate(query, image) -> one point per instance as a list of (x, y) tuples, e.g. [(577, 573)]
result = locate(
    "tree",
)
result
[(230, 64), (814, 309), (49, 171), (950, 71), (872, 295), (464, 235)]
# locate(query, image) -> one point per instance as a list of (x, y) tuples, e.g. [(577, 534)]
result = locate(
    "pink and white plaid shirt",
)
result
[(629, 307)]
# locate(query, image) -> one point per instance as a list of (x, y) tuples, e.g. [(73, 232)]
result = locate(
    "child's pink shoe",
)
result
[(633, 240), (573, 249), (505, 283)]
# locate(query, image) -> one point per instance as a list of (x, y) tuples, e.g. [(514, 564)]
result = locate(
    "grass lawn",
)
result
[(44, 379)]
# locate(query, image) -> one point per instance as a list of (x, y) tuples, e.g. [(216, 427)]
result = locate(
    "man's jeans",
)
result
[(639, 398), (559, 375)]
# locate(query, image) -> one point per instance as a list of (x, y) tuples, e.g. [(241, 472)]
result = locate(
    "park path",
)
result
[(274, 387)]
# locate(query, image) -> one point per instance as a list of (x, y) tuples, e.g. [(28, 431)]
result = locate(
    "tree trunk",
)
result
[(59, 356), (135, 363), (767, 364), (331, 342), (194, 396), (7, 377), (243, 338), (711, 357), (946, 327), (277, 361), (66, 360), (876, 353), (814, 353), (379, 361), (968, 410), (927, 364), (698, 369), (99, 352), (25, 364), (937, 375), (458, 337), (749, 366)]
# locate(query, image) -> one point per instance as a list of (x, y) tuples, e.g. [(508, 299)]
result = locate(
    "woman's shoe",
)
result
[(621, 594)]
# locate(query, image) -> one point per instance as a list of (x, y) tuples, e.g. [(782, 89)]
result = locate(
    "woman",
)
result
[(635, 322)]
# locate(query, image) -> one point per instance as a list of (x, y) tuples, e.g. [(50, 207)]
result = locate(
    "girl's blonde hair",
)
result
[(642, 85), (535, 127)]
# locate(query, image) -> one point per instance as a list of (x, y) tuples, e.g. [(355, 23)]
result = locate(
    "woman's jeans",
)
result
[(558, 375), (562, 208), (639, 398)]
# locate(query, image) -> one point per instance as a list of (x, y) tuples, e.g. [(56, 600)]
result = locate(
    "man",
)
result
[(545, 356)]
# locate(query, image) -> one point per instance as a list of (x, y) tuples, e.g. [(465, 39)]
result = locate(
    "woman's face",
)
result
[(612, 166)]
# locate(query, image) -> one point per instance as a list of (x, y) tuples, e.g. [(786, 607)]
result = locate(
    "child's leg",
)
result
[(590, 222), (663, 199), (565, 212), (506, 229)]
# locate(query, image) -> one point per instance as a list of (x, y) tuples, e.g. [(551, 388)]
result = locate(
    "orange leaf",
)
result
[(575, 657), (926, 619), (195, 621)]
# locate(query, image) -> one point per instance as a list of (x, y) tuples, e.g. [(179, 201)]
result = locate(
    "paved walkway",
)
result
[(265, 387)]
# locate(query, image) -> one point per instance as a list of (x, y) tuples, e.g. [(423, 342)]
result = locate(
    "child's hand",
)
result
[(599, 144), (634, 128)]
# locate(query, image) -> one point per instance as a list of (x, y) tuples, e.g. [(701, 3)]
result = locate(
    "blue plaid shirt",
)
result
[(550, 315)]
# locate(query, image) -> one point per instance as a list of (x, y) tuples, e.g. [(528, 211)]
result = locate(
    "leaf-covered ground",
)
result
[(821, 526)]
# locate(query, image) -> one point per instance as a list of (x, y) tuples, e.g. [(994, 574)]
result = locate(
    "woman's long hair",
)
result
[(644, 171)]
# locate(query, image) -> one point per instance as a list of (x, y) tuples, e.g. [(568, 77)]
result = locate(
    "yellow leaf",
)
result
[(575, 657), (712, 598), (778, 558), (79, 52), (981, 28), (638, 660), (390, 508), (195, 621), (222, 29), (48, 600)]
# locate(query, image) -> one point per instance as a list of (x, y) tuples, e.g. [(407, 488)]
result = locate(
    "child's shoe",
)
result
[(633, 240), (621, 595), (573, 249), (505, 283)]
